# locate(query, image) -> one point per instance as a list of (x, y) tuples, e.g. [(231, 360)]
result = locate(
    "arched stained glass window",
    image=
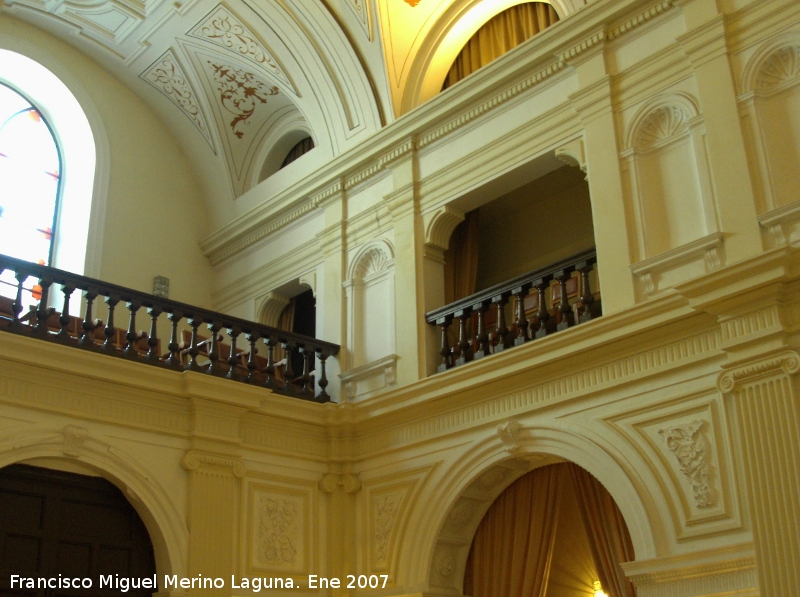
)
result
[(30, 174), (30, 170)]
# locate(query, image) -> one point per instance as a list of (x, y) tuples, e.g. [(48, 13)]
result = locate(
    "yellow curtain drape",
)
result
[(513, 546), (608, 535), (499, 35), (461, 259), (285, 323)]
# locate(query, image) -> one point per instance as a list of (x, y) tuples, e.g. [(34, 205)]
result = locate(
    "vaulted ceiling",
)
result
[(235, 78)]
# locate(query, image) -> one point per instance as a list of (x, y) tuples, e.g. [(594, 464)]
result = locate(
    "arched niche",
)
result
[(453, 28), (81, 136), (771, 101), (669, 176), (369, 289), (80, 452), (463, 495)]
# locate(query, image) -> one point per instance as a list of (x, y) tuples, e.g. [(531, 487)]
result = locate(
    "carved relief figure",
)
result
[(386, 507), (691, 448), (278, 530)]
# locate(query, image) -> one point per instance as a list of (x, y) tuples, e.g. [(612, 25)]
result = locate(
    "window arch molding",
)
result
[(80, 135), (446, 39)]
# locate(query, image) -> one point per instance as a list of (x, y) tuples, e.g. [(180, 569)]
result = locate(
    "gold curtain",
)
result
[(461, 259), (285, 323), (499, 35), (513, 546), (608, 535)]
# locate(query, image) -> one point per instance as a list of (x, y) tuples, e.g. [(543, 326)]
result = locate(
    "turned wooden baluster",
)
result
[(288, 349), (500, 338), (481, 337), (520, 292), (16, 307), (131, 336), (587, 298), (174, 358), (546, 324), (233, 357), (152, 337), (464, 348), (43, 312), (269, 370), (64, 318), (88, 325), (194, 350), (323, 379), (308, 386), (444, 324), (567, 317), (214, 363), (252, 363), (108, 331)]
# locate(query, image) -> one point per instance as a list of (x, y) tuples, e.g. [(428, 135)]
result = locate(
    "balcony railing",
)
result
[(485, 311), (217, 355)]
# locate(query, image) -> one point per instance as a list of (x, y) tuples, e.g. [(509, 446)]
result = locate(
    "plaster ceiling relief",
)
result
[(244, 101), (224, 29), (167, 75), (109, 22)]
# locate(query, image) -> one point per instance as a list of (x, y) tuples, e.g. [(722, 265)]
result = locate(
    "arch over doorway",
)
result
[(81, 452), (464, 493)]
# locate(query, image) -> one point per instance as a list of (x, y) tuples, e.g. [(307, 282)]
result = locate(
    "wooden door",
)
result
[(52, 523)]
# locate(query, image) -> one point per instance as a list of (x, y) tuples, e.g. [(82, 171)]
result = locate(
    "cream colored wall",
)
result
[(682, 399), (154, 211)]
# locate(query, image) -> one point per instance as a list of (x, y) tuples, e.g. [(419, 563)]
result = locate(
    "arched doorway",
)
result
[(55, 523), (554, 532)]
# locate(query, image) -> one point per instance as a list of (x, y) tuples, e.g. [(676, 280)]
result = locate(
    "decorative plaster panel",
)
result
[(222, 28), (167, 75), (279, 529)]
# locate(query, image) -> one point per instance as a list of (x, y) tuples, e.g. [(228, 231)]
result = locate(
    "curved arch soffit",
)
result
[(161, 518), (82, 138), (447, 37), (534, 443)]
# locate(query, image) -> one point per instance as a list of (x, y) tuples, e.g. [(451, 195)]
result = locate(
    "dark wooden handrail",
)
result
[(480, 344), (83, 332)]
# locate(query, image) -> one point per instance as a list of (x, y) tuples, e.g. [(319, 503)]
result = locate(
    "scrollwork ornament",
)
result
[(194, 460), (446, 565), (787, 363), (691, 448)]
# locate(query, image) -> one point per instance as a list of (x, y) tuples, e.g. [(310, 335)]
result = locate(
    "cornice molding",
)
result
[(434, 120), (639, 20)]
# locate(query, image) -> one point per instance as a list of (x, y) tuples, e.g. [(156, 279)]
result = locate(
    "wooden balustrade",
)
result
[(212, 355), (485, 311)]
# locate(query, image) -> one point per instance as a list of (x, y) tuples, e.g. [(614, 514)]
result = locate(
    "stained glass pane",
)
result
[(29, 180)]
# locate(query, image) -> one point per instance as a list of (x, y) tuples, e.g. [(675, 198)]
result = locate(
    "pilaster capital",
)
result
[(705, 42), (786, 362), (402, 201), (593, 100), (195, 460), (348, 483)]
